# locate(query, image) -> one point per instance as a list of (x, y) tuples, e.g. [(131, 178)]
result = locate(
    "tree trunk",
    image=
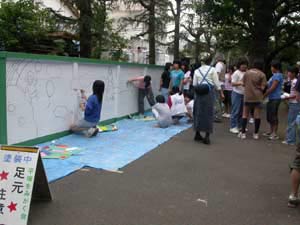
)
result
[(151, 31), (85, 22), (101, 28), (197, 49), (177, 29), (263, 11)]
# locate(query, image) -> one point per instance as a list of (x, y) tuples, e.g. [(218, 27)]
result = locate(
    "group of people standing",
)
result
[(207, 92), (204, 91), (250, 89)]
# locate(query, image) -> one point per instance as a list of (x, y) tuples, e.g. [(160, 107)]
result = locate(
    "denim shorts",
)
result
[(296, 163), (272, 111)]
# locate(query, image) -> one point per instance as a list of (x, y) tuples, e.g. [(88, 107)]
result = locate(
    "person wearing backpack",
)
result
[(205, 82)]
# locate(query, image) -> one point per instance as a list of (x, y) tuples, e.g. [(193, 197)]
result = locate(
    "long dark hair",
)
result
[(98, 89)]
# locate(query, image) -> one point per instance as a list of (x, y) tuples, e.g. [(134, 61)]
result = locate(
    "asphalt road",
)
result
[(231, 182)]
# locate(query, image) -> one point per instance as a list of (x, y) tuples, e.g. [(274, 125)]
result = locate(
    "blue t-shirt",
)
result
[(177, 76), (92, 109), (276, 94)]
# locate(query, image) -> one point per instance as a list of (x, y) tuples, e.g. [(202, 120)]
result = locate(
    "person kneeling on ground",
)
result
[(92, 112), (176, 104), (189, 103), (162, 112)]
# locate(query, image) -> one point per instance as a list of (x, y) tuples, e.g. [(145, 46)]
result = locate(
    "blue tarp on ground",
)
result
[(113, 150)]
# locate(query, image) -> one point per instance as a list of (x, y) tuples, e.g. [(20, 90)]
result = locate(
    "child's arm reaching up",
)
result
[(139, 78)]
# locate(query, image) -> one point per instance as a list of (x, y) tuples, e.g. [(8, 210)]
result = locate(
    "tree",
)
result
[(265, 28), (104, 36), (95, 28), (24, 26), (198, 30), (85, 27), (153, 15), (177, 19)]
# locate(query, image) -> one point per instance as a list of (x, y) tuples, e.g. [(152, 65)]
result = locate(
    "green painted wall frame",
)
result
[(14, 55), (17, 55), (3, 120)]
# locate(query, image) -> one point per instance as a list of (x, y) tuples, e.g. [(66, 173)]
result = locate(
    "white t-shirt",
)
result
[(238, 76), (162, 112), (178, 107), (221, 70), (190, 106), (212, 76), (188, 84)]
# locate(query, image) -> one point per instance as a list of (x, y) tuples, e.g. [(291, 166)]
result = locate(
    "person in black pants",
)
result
[(143, 83)]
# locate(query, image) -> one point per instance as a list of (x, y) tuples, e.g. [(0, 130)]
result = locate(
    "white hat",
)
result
[(298, 63)]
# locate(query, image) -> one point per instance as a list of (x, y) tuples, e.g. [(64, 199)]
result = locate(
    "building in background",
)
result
[(138, 46), (63, 7)]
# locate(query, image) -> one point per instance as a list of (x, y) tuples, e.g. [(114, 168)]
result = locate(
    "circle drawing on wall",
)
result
[(50, 88), (11, 108)]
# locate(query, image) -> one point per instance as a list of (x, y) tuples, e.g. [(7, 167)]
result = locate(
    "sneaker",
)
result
[(206, 141), (266, 134), (234, 130), (92, 132), (251, 120), (226, 115), (198, 137), (286, 143), (95, 132), (242, 136), (217, 120), (273, 138), (293, 201), (255, 136)]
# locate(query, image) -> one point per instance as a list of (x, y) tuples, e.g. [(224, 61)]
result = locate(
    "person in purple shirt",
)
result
[(88, 125), (274, 94)]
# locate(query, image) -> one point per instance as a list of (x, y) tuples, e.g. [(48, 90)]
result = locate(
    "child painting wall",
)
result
[(41, 100)]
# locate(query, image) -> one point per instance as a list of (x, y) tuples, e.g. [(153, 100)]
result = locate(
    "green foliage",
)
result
[(199, 32), (23, 25), (261, 29), (105, 37), (154, 16)]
